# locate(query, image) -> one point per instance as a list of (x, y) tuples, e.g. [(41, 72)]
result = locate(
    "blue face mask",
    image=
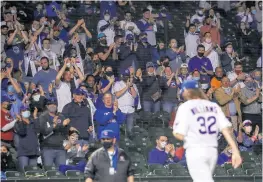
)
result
[(11, 89), (254, 11), (26, 114), (144, 39), (196, 78)]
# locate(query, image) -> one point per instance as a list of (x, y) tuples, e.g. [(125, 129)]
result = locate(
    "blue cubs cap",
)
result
[(5, 99), (24, 108), (107, 134), (129, 37), (52, 100), (125, 72), (78, 91), (100, 35), (189, 84)]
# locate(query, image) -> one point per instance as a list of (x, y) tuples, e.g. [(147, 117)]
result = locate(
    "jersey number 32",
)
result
[(206, 125)]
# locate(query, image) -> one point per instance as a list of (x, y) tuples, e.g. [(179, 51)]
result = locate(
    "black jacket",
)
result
[(150, 85), (80, 117), (52, 137), (28, 138), (144, 54)]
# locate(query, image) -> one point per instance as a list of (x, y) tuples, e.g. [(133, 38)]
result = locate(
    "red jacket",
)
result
[(5, 119)]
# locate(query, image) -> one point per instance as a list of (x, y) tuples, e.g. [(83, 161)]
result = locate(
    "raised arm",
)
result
[(83, 25), (81, 21), (61, 71)]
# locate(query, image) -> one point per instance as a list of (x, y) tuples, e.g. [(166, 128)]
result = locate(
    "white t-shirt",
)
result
[(63, 95), (213, 56), (232, 76), (126, 101), (109, 32), (200, 122), (191, 43)]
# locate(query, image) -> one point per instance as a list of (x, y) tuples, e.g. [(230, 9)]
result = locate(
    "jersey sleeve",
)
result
[(180, 123), (223, 122)]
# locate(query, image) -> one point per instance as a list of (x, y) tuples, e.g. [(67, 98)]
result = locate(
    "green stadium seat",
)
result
[(74, 174), (153, 167), (256, 171), (175, 166), (227, 166), (14, 175), (248, 156), (180, 172), (236, 172), (55, 174), (50, 168), (161, 172), (35, 174), (248, 165), (220, 171), (32, 168)]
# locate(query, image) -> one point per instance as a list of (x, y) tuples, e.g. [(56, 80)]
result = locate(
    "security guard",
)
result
[(109, 163)]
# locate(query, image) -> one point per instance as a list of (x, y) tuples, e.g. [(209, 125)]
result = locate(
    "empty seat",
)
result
[(32, 168), (255, 171), (248, 165), (236, 172), (50, 168), (220, 171), (13, 175), (35, 174), (54, 174), (74, 174), (248, 156), (227, 166), (175, 166), (161, 172), (153, 167), (180, 172)]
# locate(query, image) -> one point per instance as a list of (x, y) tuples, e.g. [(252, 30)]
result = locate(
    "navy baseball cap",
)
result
[(107, 134), (149, 64), (129, 37), (78, 91), (5, 99), (24, 108), (189, 84), (52, 100), (125, 72), (100, 35)]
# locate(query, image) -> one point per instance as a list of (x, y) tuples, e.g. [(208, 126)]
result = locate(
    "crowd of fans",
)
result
[(59, 90)]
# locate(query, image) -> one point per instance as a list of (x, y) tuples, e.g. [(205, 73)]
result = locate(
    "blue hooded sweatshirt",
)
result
[(106, 120)]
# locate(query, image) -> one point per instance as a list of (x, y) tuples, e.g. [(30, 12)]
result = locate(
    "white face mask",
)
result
[(36, 97), (68, 65), (46, 49), (163, 144), (106, 17), (26, 114)]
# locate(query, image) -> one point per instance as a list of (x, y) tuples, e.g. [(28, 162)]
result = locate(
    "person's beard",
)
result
[(45, 69)]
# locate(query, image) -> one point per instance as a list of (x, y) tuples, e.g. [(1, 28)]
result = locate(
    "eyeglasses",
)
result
[(104, 139)]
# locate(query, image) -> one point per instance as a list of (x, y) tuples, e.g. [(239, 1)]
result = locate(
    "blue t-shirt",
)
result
[(44, 78), (108, 5), (16, 53), (50, 11)]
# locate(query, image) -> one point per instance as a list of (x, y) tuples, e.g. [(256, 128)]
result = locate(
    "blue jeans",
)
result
[(50, 156), (151, 106), (168, 106), (26, 161), (129, 122)]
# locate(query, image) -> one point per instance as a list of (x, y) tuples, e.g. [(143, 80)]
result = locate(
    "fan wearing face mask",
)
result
[(37, 100), (27, 129), (106, 26), (47, 52), (164, 153), (246, 137), (252, 111)]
